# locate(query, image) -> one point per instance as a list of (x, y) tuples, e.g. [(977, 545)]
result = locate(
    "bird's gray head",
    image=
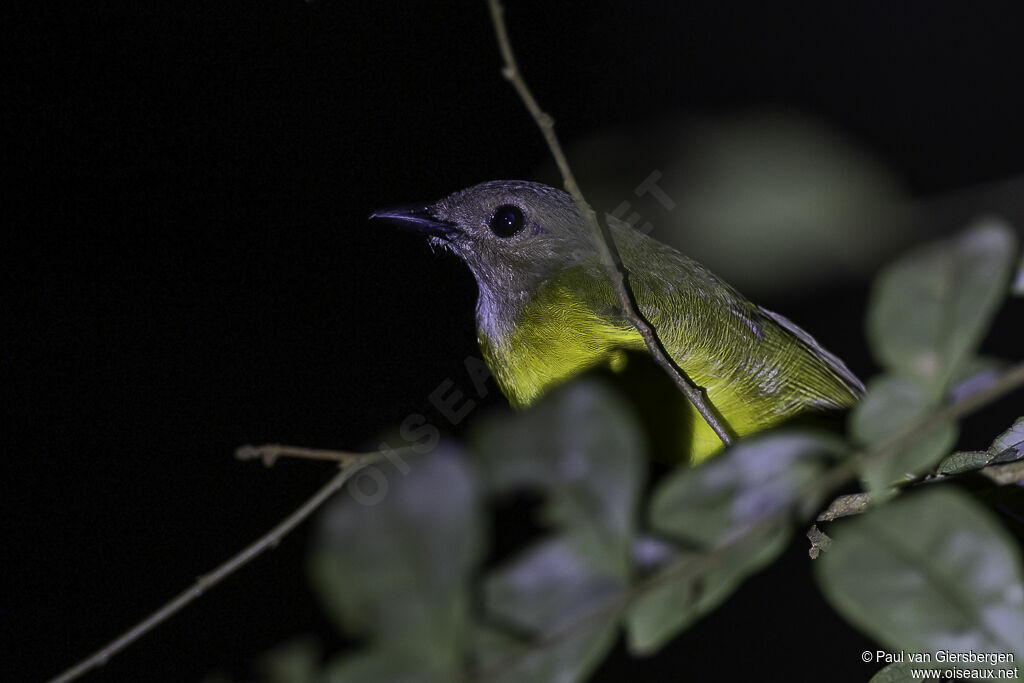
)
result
[(513, 234)]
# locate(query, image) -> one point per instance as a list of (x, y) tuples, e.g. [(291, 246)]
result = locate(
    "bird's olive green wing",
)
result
[(757, 366)]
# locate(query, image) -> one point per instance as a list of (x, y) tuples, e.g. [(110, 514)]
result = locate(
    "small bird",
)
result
[(547, 311)]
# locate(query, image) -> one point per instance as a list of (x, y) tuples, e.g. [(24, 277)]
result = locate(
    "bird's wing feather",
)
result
[(833, 361)]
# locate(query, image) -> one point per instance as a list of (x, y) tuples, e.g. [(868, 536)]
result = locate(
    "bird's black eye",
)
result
[(507, 220)]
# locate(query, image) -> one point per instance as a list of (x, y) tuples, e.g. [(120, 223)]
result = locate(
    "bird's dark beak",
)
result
[(416, 218)]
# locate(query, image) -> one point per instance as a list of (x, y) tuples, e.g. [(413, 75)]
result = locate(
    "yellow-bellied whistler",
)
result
[(547, 311)]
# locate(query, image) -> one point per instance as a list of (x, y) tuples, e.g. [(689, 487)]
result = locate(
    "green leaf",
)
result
[(1018, 282), (582, 447), (740, 188), (548, 586), (391, 664), (561, 605), (565, 660), (293, 662), (1010, 444), (889, 406), (973, 375), (713, 505), (930, 571), (930, 309), (398, 569), (757, 477), (664, 611), (1007, 447), (964, 461)]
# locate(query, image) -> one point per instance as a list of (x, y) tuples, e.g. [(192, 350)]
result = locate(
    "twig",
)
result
[(844, 506), (603, 239), (1006, 382), (1000, 473), (1003, 475), (820, 541), (269, 453), (207, 581)]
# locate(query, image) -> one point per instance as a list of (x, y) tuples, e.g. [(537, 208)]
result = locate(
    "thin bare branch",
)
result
[(603, 239), (207, 581), (269, 453), (1002, 474)]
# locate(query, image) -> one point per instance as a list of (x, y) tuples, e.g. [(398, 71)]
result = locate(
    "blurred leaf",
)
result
[(889, 406), (755, 478), (1007, 447), (651, 552), (293, 662), (582, 447), (399, 569), (900, 672), (567, 660), (754, 184), (391, 664), (930, 571), (664, 611), (973, 375), (714, 504), (767, 200), (1018, 282), (930, 309), (548, 586), (1010, 440), (552, 592)]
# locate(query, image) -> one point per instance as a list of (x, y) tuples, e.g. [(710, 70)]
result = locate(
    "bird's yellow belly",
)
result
[(553, 343)]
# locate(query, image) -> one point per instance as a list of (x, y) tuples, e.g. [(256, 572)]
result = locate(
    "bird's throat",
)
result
[(554, 336)]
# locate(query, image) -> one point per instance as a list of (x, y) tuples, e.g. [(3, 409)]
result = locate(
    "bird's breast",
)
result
[(555, 335)]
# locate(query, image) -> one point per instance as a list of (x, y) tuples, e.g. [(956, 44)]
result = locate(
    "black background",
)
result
[(190, 268)]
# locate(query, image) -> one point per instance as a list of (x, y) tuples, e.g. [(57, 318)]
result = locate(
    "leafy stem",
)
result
[(692, 566)]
